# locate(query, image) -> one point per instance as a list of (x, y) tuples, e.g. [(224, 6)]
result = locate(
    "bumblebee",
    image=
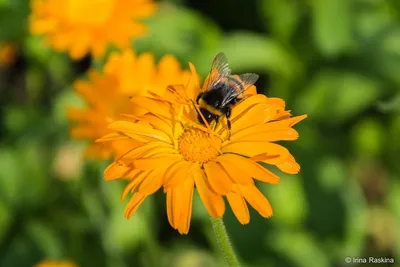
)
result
[(221, 91)]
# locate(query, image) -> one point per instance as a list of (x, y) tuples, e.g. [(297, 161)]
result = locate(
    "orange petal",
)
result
[(159, 123), (257, 200), (122, 146), (256, 113), (134, 183), (218, 178), (152, 182), (170, 201), (254, 169), (145, 149), (263, 134), (177, 173), (238, 175), (118, 170), (176, 93), (134, 129), (134, 203), (275, 101), (290, 122), (193, 87), (213, 202), (212, 76), (161, 152), (111, 137), (272, 131), (238, 206), (246, 104), (156, 163), (179, 206), (289, 166), (251, 90), (152, 105), (251, 149)]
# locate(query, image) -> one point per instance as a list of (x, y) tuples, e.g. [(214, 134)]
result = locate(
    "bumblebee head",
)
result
[(208, 116)]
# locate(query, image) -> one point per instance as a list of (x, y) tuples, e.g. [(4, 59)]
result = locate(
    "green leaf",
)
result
[(393, 200), (299, 247), (5, 219), (394, 136), (281, 16), (178, 31), (20, 169), (10, 175), (392, 105), (4, 3), (332, 173), (182, 257), (46, 239), (290, 187), (334, 96), (67, 98), (357, 220), (35, 51), (368, 137), (122, 234), (251, 52), (332, 26), (13, 20)]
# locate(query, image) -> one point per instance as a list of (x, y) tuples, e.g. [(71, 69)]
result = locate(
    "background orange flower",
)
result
[(107, 95), (67, 25)]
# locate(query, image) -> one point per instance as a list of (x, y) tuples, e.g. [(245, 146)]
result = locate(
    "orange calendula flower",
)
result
[(171, 149), (107, 95), (50, 263), (68, 25)]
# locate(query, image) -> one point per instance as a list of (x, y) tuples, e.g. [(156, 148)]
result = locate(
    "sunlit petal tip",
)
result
[(116, 170), (289, 166), (257, 200), (298, 119), (192, 69)]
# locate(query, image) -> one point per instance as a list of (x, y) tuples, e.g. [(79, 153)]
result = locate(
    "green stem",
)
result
[(224, 243)]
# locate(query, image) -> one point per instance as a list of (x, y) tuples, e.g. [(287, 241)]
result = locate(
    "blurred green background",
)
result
[(336, 60)]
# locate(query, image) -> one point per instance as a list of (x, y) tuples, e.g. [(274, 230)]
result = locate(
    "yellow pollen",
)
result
[(198, 146)]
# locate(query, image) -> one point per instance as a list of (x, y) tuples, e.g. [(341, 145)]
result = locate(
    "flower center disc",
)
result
[(199, 146)]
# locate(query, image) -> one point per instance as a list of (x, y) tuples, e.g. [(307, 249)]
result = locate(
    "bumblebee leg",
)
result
[(228, 121)]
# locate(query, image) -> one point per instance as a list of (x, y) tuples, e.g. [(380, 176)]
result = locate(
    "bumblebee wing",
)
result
[(248, 79), (219, 69), (237, 85)]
